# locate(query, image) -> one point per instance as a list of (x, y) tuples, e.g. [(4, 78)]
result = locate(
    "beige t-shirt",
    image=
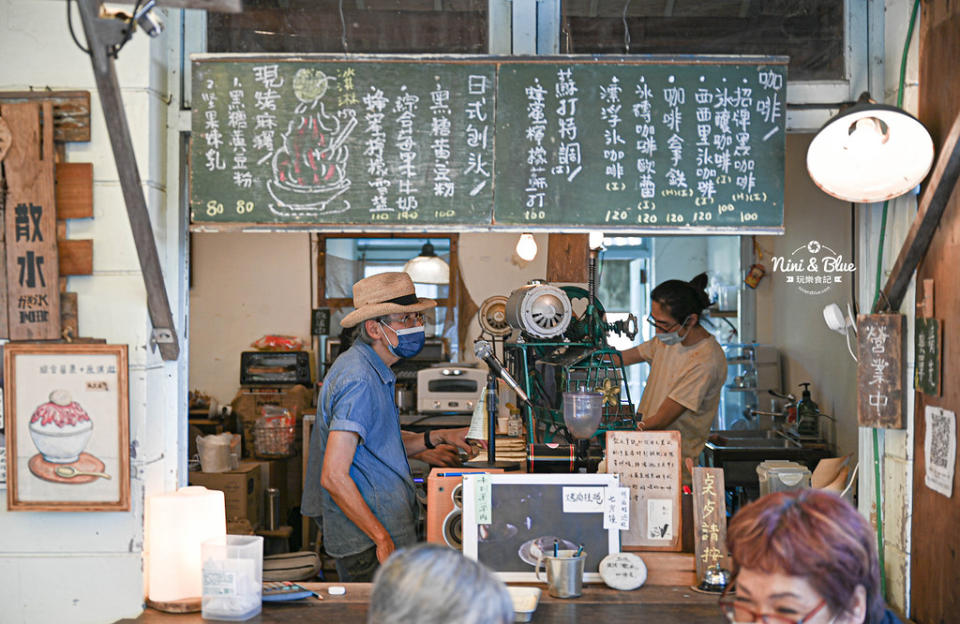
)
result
[(693, 377)]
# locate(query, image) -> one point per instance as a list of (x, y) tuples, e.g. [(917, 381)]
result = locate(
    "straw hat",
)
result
[(384, 293)]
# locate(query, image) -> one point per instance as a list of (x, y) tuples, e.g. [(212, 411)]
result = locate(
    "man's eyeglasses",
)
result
[(411, 319), (662, 326), (739, 612)]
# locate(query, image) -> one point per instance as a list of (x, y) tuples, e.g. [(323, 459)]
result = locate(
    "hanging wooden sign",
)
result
[(880, 370), (928, 356), (32, 293)]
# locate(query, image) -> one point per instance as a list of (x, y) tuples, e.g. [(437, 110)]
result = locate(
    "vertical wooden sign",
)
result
[(30, 224), (648, 462), (880, 370), (928, 337), (709, 519)]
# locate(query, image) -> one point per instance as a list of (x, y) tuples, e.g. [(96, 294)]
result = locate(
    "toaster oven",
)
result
[(274, 368), (446, 388)]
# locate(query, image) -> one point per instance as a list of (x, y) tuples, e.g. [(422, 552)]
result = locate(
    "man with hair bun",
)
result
[(687, 366)]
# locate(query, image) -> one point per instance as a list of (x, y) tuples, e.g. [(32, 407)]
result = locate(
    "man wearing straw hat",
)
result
[(358, 479)]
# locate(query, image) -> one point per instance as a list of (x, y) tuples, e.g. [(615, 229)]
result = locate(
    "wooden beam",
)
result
[(71, 111), (76, 256), (101, 35), (932, 204), (74, 190)]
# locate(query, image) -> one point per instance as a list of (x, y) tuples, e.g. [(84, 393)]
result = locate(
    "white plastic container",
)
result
[(582, 412), (232, 577), (782, 476)]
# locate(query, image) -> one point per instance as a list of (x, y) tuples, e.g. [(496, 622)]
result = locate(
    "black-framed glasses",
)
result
[(740, 613), (659, 325)]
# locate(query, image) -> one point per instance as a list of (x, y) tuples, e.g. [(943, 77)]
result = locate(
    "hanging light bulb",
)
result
[(869, 153), (527, 247), (428, 267)]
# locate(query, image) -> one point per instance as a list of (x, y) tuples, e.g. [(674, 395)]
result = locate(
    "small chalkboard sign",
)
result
[(880, 370), (648, 462), (927, 354), (320, 321)]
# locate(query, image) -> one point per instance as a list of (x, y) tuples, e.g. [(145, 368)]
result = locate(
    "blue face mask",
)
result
[(409, 341), (673, 337)]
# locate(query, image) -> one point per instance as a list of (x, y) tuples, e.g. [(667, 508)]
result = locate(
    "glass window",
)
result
[(810, 32), (373, 26)]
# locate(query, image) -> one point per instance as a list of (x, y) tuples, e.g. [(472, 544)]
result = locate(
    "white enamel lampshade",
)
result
[(870, 153)]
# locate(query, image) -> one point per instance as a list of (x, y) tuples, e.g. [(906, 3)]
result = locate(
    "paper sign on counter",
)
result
[(660, 518), (616, 512), (482, 498), (583, 499)]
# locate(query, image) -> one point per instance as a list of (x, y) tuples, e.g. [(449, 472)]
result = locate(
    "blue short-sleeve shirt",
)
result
[(358, 396)]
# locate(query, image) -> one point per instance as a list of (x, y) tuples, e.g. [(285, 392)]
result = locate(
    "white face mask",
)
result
[(673, 337)]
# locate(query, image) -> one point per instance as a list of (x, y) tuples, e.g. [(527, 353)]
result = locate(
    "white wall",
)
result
[(244, 286), (793, 320), (96, 557)]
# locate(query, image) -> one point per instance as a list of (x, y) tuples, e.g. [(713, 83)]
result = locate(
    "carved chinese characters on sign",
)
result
[(32, 273), (880, 370), (649, 464), (709, 518)]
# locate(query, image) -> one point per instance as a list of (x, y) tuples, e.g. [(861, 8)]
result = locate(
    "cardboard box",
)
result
[(242, 489)]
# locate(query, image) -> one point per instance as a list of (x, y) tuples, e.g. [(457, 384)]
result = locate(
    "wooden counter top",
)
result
[(598, 604)]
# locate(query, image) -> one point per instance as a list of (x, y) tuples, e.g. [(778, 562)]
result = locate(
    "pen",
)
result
[(579, 550), (556, 548)]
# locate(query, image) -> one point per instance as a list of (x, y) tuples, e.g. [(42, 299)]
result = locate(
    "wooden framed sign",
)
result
[(66, 413), (880, 370), (638, 143), (511, 520), (648, 462)]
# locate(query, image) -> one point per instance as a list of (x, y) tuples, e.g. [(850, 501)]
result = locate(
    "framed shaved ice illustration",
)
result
[(67, 427)]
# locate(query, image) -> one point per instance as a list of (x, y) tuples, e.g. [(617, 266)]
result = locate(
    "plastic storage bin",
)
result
[(232, 577), (782, 476)]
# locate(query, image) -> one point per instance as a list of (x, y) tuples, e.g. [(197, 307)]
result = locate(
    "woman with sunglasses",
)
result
[(687, 366), (804, 557)]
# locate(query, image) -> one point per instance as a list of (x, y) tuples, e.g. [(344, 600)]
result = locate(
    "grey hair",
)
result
[(433, 584), (363, 335)]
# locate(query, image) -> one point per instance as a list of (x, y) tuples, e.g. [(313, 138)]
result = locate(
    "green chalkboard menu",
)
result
[(615, 144), (928, 337), (353, 142), (632, 143)]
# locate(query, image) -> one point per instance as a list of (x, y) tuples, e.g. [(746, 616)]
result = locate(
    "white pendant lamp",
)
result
[(428, 267), (870, 153), (527, 247)]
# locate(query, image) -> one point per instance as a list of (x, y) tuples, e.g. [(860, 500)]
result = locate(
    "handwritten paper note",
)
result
[(649, 464), (709, 518), (583, 500), (483, 500), (616, 512), (940, 449)]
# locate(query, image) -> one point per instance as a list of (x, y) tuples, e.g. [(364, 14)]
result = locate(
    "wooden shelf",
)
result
[(722, 313)]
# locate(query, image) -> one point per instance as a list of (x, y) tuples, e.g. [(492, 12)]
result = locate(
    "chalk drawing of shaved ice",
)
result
[(309, 169)]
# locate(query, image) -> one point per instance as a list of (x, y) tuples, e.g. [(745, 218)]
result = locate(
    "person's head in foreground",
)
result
[(432, 584), (803, 557)]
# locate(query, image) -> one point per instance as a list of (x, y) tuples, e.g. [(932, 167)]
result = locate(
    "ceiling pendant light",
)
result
[(527, 247), (870, 153), (428, 267)]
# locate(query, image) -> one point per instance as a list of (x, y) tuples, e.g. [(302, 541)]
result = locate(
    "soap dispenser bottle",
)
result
[(808, 414)]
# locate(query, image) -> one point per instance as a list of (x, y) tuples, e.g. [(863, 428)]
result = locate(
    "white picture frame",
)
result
[(535, 513)]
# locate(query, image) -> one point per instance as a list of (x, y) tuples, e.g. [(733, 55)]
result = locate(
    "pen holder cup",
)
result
[(564, 573)]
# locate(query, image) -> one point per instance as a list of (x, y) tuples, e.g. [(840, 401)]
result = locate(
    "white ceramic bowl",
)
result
[(61, 445)]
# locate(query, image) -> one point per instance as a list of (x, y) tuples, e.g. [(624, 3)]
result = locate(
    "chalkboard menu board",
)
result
[(633, 143)]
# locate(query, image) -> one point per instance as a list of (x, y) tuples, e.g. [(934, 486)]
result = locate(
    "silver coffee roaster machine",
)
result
[(573, 378)]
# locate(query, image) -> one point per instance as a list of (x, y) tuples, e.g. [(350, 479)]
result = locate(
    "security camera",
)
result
[(147, 19)]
